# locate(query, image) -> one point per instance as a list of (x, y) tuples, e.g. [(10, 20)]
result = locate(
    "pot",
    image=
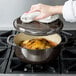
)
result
[(37, 56)]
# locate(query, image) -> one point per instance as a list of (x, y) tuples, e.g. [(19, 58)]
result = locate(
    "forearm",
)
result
[(57, 9), (68, 10)]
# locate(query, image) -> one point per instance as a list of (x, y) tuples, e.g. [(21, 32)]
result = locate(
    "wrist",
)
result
[(57, 9)]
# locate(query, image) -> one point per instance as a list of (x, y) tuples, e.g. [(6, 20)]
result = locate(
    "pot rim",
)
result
[(15, 44)]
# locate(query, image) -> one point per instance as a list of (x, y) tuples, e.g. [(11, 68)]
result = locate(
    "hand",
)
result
[(45, 10)]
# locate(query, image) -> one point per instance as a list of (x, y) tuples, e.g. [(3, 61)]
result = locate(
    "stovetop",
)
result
[(64, 64)]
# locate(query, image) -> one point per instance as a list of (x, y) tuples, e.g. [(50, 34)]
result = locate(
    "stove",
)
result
[(64, 64)]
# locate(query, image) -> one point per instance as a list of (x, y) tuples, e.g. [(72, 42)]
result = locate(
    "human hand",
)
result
[(45, 10)]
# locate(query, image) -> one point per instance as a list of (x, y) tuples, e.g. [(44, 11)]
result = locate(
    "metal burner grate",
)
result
[(5, 50), (64, 64)]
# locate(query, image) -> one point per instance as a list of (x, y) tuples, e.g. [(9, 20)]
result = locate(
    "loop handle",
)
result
[(8, 40)]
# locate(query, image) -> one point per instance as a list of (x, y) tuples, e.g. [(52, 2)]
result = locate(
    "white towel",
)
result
[(29, 17)]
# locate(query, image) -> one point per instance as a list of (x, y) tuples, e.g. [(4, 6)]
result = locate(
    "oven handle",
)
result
[(9, 42)]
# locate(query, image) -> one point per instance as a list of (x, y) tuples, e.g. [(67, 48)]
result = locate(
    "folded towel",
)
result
[(29, 17)]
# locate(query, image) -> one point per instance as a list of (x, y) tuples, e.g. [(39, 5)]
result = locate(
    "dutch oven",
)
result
[(49, 31)]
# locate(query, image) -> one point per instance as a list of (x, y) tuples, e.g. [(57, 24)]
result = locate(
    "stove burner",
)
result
[(4, 50), (65, 63), (5, 33), (71, 68), (17, 66)]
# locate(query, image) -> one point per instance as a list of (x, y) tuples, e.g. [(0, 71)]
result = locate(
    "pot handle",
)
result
[(66, 34), (66, 40), (8, 40)]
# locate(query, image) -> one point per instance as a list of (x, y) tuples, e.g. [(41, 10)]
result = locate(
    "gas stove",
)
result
[(64, 64)]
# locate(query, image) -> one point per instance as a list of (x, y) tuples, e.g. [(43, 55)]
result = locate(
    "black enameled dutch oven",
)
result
[(49, 31)]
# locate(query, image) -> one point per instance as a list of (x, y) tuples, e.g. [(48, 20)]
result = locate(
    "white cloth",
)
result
[(69, 11), (29, 17)]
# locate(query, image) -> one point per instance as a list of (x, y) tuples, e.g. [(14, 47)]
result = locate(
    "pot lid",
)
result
[(38, 28)]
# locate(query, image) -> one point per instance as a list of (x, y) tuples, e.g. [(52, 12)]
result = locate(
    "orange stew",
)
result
[(38, 43)]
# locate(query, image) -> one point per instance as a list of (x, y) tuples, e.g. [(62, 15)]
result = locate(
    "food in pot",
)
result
[(38, 43)]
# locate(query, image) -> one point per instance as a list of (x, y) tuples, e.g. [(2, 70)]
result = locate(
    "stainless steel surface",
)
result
[(34, 57)]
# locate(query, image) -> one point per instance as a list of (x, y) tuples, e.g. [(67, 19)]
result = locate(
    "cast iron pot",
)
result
[(36, 56)]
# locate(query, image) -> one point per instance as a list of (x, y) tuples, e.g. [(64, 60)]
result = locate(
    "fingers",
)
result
[(39, 8), (35, 8), (41, 16)]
